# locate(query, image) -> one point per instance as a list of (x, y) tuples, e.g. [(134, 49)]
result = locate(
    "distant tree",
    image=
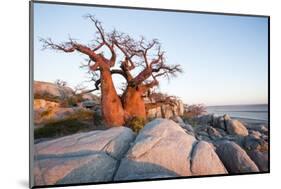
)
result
[(141, 63)]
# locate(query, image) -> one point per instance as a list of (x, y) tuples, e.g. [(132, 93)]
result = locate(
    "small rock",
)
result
[(255, 134), (226, 117), (235, 127), (261, 128), (221, 131), (219, 122), (199, 128), (213, 133), (252, 143)]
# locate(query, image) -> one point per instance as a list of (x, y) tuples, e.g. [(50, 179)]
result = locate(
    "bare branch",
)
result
[(105, 41), (68, 47)]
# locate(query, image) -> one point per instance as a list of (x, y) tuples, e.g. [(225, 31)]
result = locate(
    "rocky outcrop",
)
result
[(54, 113), (44, 104), (51, 91), (247, 143), (260, 128), (53, 103), (56, 93), (161, 148), (166, 110), (81, 158), (235, 158), (220, 127), (164, 149)]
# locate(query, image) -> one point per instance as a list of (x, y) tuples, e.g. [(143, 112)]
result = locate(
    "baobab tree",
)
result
[(140, 62)]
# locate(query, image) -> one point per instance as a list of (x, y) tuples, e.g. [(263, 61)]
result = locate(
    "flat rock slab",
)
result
[(97, 167), (51, 90), (114, 142), (81, 158)]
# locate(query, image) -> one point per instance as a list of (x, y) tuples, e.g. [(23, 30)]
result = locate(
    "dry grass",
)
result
[(81, 120)]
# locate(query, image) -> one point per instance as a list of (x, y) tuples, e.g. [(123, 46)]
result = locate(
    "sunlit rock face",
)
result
[(163, 149), (53, 103), (80, 158), (51, 91), (166, 110)]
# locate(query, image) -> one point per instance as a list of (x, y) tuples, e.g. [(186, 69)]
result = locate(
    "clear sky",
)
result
[(224, 58)]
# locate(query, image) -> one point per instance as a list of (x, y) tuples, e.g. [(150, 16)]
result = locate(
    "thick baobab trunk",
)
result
[(133, 103), (112, 109)]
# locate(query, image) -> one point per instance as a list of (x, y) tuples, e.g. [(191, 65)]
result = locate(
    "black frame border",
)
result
[(31, 71)]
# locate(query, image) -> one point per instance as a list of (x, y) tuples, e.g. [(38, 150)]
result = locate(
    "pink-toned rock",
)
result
[(44, 104), (74, 169), (235, 127), (204, 160), (51, 91), (162, 149), (81, 158)]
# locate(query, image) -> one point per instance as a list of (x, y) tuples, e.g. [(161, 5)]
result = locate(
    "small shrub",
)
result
[(136, 123), (194, 110)]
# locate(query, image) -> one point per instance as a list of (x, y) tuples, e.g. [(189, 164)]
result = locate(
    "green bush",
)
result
[(136, 123)]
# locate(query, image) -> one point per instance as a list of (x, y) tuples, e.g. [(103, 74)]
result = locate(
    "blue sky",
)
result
[(224, 58)]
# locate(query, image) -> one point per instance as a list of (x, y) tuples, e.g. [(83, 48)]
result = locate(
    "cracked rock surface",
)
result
[(163, 148), (81, 158)]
